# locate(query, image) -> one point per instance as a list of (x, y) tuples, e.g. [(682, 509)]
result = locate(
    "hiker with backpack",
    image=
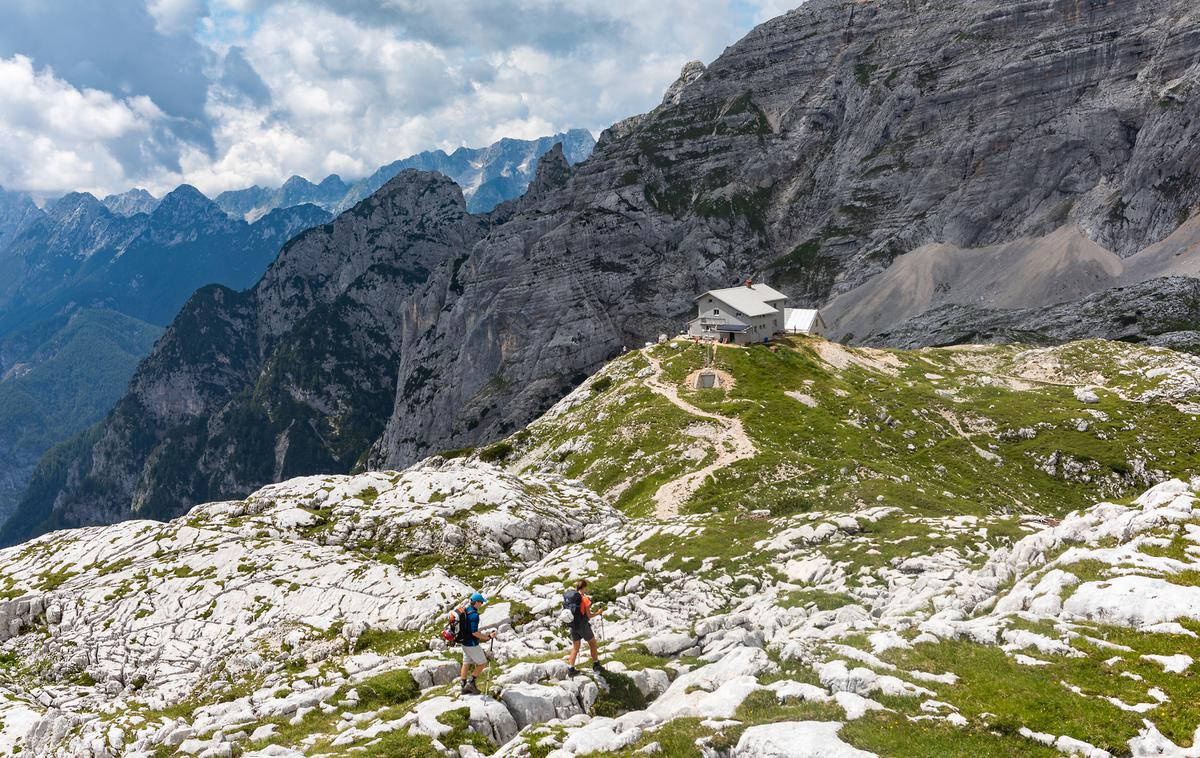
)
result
[(579, 604), (469, 636)]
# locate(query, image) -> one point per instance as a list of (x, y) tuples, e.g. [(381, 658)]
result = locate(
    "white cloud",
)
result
[(320, 86), (176, 16), (353, 91), (54, 136)]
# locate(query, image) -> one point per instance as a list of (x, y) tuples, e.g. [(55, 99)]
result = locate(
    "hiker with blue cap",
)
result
[(473, 652)]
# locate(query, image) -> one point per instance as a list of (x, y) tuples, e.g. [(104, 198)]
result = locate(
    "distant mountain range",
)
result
[(85, 289), (488, 176), (86, 285), (79, 254)]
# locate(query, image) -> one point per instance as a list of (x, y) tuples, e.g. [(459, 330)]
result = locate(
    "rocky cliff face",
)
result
[(816, 149), (813, 151)]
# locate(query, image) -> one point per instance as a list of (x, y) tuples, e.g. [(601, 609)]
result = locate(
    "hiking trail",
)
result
[(731, 445)]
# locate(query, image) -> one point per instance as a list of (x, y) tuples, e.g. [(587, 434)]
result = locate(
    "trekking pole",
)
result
[(491, 663)]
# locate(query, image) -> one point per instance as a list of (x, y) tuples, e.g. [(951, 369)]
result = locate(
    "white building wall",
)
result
[(760, 326)]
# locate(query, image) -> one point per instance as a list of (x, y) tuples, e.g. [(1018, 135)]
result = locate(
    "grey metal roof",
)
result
[(751, 300)]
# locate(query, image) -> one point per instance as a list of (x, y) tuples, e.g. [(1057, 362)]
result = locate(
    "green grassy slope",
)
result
[(940, 431)]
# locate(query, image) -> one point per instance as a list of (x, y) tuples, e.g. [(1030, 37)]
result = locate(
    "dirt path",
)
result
[(987, 455), (731, 444)]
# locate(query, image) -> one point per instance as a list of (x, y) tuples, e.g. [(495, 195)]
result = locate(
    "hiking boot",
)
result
[(469, 687), (572, 671), (596, 666)]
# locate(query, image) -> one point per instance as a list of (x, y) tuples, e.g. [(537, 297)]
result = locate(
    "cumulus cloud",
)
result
[(53, 135), (233, 92), (116, 46)]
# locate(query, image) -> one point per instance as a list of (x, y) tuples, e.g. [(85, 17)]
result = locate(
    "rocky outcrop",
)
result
[(691, 71), (298, 571), (209, 634)]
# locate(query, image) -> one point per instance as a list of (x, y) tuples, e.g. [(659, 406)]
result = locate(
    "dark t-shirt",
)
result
[(472, 626)]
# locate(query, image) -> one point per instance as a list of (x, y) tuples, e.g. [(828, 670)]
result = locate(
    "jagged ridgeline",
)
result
[(816, 150), (901, 554)]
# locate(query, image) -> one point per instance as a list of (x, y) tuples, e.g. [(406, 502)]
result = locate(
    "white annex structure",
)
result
[(740, 315), (803, 321)]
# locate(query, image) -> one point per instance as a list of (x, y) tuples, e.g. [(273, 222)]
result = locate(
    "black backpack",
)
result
[(458, 630), (573, 602), (465, 636)]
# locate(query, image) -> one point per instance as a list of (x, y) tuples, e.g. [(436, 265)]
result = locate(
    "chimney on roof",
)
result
[(750, 283)]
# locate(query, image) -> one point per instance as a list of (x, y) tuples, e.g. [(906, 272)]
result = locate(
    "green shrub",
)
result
[(622, 696), (386, 689), (496, 453)]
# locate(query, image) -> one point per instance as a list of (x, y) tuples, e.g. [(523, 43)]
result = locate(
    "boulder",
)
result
[(598, 736), (664, 645), (796, 739), (434, 672)]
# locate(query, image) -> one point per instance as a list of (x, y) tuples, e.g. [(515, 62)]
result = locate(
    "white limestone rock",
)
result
[(796, 739), (1134, 601)]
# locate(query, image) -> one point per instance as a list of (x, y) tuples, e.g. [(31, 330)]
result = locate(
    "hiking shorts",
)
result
[(474, 655), (582, 631)]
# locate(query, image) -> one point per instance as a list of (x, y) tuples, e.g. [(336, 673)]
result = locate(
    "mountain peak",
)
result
[(553, 170), (691, 71), (131, 202), (331, 183), (74, 203), (185, 192), (295, 181), (185, 205)]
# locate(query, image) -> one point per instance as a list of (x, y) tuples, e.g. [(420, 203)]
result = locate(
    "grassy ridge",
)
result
[(932, 431)]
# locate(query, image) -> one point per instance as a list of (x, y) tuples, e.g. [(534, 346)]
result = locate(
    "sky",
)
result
[(222, 94)]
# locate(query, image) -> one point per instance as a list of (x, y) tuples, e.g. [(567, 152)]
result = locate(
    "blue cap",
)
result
[(478, 598)]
